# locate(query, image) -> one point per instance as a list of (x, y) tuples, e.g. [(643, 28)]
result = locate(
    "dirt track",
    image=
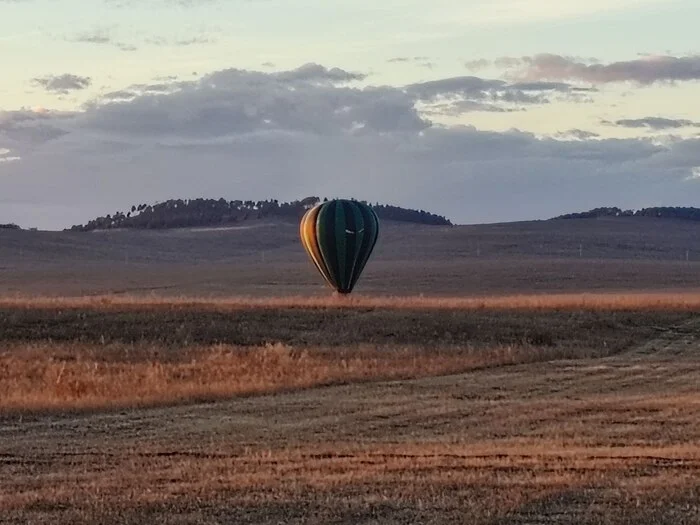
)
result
[(609, 440)]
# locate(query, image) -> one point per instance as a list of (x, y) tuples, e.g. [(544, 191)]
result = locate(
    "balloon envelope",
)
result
[(339, 236)]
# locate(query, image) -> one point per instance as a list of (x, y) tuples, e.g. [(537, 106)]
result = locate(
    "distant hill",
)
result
[(665, 212), (179, 213), (266, 258)]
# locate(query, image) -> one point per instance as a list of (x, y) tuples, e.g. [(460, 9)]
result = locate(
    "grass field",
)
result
[(541, 257), (529, 409), (528, 374), (68, 354)]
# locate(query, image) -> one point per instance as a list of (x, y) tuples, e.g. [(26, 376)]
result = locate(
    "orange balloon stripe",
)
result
[(310, 242)]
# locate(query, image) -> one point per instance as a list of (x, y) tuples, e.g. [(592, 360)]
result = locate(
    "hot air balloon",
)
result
[(339, 236)]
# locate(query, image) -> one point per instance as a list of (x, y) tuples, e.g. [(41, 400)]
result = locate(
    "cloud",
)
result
[(579, 134), (135, 91), (466, 86), (103, 37), (97, 36), (287, 134), (29, 128), (63, 83), (643, 71), (459, 107), (309, 99), (462, 94), (420, 61), (6, 157), (471, 86), (182, 42), (317, 73), (476, 65), (654, 123)]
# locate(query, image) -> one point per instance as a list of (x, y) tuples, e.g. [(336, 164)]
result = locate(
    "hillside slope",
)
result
[(179, 213), (640, 238), (265, 257)]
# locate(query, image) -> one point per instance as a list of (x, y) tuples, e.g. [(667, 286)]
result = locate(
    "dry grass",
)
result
[(346, 483), (45, 376), (595, 422), (485, 448), (678, 301), (136, 354)]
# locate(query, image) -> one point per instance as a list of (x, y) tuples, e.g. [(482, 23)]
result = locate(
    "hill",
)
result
[(667, 212), (265, 257), (179, 213)]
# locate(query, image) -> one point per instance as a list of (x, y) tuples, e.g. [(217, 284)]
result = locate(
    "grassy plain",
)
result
[(64, 354), (198, 381), (178, 413)]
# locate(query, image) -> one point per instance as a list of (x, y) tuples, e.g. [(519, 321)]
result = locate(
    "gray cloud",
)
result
[(469, 93), (26, 129), (308, 99), (182, 42), (541, 86), (167, 78), (102, 37), (63, 83), (423, 61), (97, 36), (137, 90), (317, 73), (247, 134), (478, 64), (459, 107), (579, 134), (508, 62), (471, 86), (467, 86), (643, 71), (654, 123)]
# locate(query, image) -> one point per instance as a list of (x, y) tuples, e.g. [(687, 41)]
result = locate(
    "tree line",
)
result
[(667, 212), (181, 213)]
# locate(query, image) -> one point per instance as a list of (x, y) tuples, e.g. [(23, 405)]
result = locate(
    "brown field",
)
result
[(198, 381), (677, 301), (135, 354)]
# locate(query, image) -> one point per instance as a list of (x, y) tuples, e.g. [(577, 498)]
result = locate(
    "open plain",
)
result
[(525, 373)]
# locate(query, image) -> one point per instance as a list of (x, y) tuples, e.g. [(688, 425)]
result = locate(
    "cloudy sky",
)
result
[(481, 110)]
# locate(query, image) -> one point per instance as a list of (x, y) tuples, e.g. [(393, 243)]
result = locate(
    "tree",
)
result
[(178, 213), (309, 202)]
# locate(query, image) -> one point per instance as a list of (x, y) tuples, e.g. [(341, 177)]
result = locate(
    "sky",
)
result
[(481, 110)]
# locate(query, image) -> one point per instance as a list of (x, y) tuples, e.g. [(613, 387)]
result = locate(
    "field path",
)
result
[(580, 441)]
